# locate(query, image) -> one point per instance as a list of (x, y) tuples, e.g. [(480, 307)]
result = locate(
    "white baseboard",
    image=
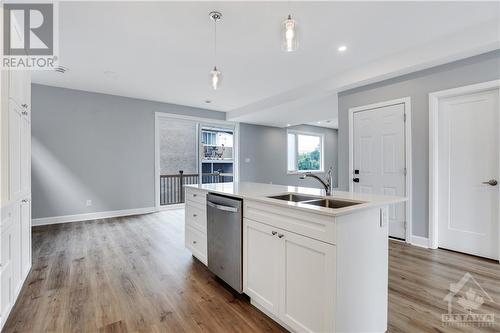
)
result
[(91, 216), (170, 207), (420, 241)]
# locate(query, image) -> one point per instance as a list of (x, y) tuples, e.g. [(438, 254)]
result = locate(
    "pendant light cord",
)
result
[(215, 40)]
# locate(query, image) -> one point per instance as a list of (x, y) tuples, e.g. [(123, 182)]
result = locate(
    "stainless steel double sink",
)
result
[(315, 201)]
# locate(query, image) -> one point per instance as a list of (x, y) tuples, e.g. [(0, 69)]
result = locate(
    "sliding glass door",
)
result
[(190, 151), (216, 147)]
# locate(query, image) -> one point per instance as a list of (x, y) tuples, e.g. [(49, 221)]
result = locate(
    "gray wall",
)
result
[(417, 85), (94, 146), (266, 147)]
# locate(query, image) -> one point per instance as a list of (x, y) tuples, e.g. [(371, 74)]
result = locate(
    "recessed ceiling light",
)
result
[(342, 48), (287, 125), (319, 122), (208, 101)]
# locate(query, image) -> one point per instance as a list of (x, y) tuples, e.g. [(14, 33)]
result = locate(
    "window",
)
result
[(305, 152)]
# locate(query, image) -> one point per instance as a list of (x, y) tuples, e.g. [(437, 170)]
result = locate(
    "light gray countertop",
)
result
[(260, 192)]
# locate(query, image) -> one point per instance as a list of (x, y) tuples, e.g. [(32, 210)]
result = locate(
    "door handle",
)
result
[(356, 180), (491, 182), (221, 207)]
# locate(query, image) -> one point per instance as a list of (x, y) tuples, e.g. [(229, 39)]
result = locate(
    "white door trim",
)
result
[(164, 115), (407, 104), (433, 149)]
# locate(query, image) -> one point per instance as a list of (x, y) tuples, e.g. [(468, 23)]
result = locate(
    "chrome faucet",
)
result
[(327, 184)]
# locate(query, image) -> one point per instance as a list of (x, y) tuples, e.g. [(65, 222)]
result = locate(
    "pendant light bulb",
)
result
[(290, 42), (216, 77)]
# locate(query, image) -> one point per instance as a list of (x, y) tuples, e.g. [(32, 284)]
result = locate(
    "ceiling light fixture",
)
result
[(215, 74), (342, 48), (290, 42)]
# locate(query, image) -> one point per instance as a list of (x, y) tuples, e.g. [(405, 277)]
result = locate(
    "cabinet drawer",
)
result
[(196, 242), (196, 196), (196, 216), (320, 227)]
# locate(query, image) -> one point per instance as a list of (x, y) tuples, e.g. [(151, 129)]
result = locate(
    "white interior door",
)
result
[(468, 159), (379, 158)]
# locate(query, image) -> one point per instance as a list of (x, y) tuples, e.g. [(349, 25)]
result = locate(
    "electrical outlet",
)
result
[(88, 203)]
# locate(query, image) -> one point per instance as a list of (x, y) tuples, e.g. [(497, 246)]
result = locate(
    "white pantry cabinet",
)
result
[(15, 180)]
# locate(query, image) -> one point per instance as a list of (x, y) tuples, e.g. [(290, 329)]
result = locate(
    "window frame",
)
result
[(296, 134)]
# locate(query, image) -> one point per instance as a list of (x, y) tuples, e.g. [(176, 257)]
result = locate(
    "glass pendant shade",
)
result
[(215, 78), (290, 40)]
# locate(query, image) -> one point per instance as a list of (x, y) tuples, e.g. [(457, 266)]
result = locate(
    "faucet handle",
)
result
[(329, 177)]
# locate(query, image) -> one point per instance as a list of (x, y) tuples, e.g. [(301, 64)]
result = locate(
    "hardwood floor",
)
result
[(133, 274)]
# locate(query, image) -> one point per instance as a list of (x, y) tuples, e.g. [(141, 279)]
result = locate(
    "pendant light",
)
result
[(215, 74), (290, 40)]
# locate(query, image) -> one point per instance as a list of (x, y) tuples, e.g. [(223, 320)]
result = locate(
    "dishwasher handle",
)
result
[(222, 207)]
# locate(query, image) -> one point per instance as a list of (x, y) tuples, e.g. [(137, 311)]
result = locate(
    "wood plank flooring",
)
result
[(133, 274)]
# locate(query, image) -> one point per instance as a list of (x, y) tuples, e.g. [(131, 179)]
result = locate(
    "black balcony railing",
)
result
[(171, 186)]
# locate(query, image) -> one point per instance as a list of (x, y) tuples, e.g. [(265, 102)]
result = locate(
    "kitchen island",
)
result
[(313, 263)]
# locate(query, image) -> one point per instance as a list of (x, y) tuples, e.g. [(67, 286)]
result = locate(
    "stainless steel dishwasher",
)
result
[(224, 238)]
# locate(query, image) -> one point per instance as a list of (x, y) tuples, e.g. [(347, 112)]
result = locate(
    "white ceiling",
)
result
[(163, 51)]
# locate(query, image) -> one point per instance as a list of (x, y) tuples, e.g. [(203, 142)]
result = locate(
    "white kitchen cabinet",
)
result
[(260, 264), (290, 276), (324, 280), (307, 283), (19, 90), (195, 221), (15, 121), (15, 151), (25, 219)]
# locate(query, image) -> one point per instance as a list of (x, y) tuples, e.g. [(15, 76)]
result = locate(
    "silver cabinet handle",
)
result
[(25, 200), (24, 113), (274, 233), (221, 207), (281, 236), (24, 106), (491, 182)]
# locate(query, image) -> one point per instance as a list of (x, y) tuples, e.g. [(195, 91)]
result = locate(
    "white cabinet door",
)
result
[(15, 252), (25, 162), (260, 264), (6, 296), (18, 87), (307, 283), (25, 237), (15, 155)]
